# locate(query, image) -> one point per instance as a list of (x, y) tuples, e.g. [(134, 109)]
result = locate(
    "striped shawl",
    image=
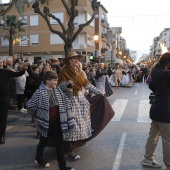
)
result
[(38, 105)]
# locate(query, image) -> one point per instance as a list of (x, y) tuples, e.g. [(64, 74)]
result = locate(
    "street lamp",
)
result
[(21, 40), (96, 38)]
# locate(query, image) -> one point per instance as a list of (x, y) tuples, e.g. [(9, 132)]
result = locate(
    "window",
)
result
[(103, 16), (76, 43), (23, 41), (88, 18), (4, 42), (31, 1), (34, 40), (55, 39), (80, 19), (58, 15), (33, 20), (23, 20)]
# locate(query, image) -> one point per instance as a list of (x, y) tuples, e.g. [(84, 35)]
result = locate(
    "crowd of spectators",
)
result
[(98, 74)]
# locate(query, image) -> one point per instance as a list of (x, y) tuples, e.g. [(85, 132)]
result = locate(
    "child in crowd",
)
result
[(52, 110)]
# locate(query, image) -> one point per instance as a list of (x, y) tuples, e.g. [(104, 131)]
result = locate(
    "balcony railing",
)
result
[(79, 46), (104, 23), (103, 50)]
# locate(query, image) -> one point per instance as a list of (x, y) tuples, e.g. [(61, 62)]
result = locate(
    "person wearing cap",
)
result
[(54, 61), (72, 78)]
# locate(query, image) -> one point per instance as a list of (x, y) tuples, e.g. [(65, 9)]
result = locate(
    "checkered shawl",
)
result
[(39, 105)]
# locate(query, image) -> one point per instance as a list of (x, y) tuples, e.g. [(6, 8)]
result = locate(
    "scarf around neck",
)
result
[(76, 75)]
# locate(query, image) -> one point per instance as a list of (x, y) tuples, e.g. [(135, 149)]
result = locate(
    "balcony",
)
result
[(104, 23), (103, 50), (104, 37), (79, 46)]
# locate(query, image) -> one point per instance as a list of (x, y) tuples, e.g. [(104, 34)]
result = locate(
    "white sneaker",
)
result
[(21, 111), (151, 163), (73, 155), (25, 110)]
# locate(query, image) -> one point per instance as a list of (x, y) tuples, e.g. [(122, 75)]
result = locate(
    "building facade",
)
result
[(38, 43)]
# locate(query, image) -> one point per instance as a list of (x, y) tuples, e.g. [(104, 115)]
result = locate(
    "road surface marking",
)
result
[(118, 157), (119, 106), (143, 112), (9, 127), (136, 92)]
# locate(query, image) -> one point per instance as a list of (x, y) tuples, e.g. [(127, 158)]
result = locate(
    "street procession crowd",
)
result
[(67, 101)]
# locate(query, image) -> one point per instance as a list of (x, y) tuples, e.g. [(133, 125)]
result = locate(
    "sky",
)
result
[(141, 20)]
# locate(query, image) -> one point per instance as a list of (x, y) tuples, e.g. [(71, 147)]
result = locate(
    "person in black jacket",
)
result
[(38, 77), (31, 86), (159, 113), (4, 95)]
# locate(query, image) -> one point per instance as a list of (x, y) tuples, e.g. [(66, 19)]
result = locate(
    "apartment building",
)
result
[(38, 42), (101, 26)]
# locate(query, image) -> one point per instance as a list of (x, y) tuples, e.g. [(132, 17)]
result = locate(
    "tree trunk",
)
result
[(67, 48), (11, 45)]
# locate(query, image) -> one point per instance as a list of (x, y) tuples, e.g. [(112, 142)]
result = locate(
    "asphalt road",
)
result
[(120, 146)]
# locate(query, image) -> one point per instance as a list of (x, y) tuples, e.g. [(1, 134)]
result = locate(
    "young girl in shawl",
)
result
[(52, 110)]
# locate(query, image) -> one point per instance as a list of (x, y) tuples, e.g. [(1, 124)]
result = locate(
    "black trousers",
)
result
[(3, 115), (20, 101), (56, 133)]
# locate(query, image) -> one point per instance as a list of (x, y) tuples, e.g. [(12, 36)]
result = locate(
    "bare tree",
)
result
[(67, 34)]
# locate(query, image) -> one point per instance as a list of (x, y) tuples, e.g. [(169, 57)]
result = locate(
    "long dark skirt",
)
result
[(101, 114)]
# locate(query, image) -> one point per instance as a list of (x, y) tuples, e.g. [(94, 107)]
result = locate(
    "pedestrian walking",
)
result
[(5, 76), (159, 113), (52, 110)]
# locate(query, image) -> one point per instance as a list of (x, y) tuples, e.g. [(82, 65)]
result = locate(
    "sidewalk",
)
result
[(14, 115)]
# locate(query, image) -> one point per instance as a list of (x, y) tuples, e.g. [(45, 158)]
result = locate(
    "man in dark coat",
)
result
[(5, 76)]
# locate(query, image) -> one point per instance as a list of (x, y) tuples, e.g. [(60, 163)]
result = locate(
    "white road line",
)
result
[(119, 106), (136, 92), (143, 112), (9, 127), (118, 158)]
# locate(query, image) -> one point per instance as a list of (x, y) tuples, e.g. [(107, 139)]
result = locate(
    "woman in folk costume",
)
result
[(103, 80), (85, 128)]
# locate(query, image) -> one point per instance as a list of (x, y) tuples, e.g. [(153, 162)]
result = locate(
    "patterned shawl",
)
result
[(76, 75), (39, 105)]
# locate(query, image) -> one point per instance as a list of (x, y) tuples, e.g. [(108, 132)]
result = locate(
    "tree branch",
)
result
[(81, 26), (3, 12), (37, 10), (66, 7), (59, 21)]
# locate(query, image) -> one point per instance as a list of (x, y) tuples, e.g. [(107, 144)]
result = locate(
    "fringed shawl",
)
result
[(76, 75)]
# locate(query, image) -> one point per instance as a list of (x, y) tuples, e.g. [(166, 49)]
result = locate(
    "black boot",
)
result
[(2, 140), (42, 162)]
